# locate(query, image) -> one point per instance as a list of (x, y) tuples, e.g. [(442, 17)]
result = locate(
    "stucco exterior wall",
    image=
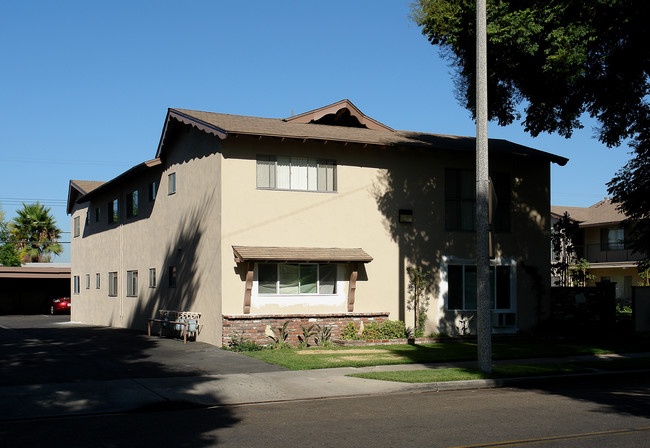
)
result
[(217, 205), (179, 230), (373, 184)]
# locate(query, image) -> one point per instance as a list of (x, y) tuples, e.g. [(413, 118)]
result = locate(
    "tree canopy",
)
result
[(8, 255), (35, 233), (552, 62)]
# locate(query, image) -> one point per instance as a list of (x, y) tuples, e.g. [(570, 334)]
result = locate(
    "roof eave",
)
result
[(192, 121)]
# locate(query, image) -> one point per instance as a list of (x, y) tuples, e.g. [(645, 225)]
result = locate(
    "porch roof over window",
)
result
[(300, 254)]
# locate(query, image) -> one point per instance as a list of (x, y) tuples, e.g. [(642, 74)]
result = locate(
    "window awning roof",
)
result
[(300, 254)]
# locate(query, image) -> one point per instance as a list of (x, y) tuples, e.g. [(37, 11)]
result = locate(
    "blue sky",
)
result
[(86, 85)]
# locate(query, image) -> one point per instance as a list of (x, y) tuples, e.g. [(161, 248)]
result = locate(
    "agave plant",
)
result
[(323, 335), (306, 334)]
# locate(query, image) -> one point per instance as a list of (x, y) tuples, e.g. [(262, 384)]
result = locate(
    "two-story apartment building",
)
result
[(602, 242), (314, 217)]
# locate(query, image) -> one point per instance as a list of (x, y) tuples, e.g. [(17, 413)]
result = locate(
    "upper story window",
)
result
[(171, 183), (132, 204), (153, 190), (76, 226), (113, 210), (98, 214), (296, 173), (460, 200), (612, 239)]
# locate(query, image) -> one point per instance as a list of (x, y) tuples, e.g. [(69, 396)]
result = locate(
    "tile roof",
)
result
[(601, 213), (300, 254)]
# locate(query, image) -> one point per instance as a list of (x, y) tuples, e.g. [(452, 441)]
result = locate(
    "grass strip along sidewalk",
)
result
[(507, 371), (320, 357)]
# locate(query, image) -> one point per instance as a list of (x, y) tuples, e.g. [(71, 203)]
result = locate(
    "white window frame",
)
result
[(112, 284), (75, 284), (171, 183), (295, 174), (444, 283), (338, 299), (76, 226), (132, 283)]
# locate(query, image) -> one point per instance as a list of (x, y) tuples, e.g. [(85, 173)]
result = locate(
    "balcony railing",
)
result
[(593, 253)]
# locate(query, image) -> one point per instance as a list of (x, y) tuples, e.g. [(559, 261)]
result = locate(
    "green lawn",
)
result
[(320, 358), (509, 371)]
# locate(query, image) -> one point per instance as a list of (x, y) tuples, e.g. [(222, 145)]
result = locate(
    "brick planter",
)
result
[(253, 326)]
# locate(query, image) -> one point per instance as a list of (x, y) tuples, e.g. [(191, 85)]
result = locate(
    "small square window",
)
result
[(172, 276), (112, 284), (132, 204), (171, 183), (153, 190), (132, 283), (113, 209), (75, 284)]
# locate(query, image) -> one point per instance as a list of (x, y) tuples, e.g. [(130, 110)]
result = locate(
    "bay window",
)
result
[(296, 278)]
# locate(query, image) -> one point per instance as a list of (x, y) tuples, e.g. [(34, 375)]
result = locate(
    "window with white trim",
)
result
[(76, 227), (295, 173), (171, 183), (112, 284), (461, 287), (75, 284), (296, 278), (132, 283)]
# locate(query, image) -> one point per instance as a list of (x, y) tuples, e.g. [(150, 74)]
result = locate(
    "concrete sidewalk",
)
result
[(153, 373)]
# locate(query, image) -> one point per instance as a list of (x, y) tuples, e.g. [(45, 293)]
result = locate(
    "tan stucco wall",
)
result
[(217, 205), (373, 184), (176, 230)]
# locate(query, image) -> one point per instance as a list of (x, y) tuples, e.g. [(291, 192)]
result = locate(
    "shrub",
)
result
[(349, 332), (390, 329), (239, 343)]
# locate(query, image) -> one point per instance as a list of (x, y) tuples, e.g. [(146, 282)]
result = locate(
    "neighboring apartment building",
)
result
[(314, 217), (602, 242)]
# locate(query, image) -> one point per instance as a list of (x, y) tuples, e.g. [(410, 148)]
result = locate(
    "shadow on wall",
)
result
[(422, 241), (180, 279), (416, 183)]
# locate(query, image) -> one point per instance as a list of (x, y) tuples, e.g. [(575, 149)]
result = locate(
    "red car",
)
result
[(60, 305)]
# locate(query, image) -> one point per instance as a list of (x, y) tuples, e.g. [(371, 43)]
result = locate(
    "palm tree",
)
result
[(36, 233)]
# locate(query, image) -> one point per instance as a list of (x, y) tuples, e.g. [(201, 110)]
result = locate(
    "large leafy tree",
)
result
[(553, 62), (35, 233), (8, 255)]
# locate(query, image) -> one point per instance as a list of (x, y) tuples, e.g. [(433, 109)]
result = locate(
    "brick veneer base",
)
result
[(253, 326)]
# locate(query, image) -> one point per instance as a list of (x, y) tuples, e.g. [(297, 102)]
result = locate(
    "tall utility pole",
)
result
[(484, 324)]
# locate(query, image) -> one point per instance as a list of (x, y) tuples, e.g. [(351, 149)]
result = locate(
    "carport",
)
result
[(29, 289)]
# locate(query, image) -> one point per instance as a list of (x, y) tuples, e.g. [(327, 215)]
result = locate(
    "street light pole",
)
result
[(484, 324)]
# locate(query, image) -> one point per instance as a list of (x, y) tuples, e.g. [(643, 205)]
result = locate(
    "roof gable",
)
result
[(601, 213), (342, 113)]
